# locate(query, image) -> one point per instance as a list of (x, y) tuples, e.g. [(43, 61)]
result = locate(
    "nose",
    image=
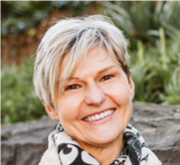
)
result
[(94, 95)]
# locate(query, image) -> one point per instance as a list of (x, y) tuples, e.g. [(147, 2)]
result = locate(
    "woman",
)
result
[(82, 77)]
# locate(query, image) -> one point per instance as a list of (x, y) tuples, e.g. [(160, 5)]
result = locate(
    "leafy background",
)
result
[(152, 28)]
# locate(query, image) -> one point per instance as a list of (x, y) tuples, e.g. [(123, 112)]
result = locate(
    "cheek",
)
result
[(118, 91), (69, 107)]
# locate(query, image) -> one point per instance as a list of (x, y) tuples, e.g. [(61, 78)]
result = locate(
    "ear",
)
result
[(51, 112), (132, 86)]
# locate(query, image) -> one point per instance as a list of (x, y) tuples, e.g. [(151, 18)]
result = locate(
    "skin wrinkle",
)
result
[(64, 81), (118, 94)]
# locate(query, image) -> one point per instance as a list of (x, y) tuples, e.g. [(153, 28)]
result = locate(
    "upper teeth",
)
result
[(99, 116)]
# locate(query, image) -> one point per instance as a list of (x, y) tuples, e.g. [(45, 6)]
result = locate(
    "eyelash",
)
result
[(106, 77), (72, 87)]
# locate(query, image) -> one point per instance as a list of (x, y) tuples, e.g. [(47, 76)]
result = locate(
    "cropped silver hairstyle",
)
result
[(75, 36)]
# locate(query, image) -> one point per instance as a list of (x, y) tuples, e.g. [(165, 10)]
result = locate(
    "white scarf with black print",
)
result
[(135, 150)]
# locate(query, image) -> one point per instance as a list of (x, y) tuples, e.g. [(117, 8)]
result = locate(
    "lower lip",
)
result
[(101, 121)]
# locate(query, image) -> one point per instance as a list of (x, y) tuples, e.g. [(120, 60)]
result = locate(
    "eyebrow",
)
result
[(101, 71)]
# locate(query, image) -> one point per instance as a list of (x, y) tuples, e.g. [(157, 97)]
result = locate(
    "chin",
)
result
[(103, 140)]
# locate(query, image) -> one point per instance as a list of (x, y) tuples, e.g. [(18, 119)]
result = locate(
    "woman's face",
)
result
[(96, 105)]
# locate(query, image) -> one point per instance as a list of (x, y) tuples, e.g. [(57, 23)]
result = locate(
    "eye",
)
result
[(72, 87), (107, 77)]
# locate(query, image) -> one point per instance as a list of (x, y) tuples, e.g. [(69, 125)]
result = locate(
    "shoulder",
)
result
[(153, 160), (50, 156), (137, 147)]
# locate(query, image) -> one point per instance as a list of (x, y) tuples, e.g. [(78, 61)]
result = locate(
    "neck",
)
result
[(103, 154)]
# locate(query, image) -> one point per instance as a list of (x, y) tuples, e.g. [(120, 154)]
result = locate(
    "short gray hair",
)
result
[(77, 36)]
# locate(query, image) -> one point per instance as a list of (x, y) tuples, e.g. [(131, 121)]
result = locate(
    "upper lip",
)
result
[(99, 112)]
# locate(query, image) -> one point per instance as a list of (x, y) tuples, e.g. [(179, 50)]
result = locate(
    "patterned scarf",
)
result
[(135, 150)]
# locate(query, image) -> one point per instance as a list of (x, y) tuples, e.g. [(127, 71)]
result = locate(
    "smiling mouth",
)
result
[(100, 115)]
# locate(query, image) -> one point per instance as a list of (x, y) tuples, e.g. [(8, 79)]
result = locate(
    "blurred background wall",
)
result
[(152, 28)]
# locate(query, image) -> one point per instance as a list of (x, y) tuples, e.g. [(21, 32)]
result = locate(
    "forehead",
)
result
[(98, 55), (96, 60)]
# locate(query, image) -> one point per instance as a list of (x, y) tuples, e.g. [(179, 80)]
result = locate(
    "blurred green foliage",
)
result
[(172, 88), (19, 100), (141, 20), (157, 77), (20, 16), (155, 63), (152, 27)]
